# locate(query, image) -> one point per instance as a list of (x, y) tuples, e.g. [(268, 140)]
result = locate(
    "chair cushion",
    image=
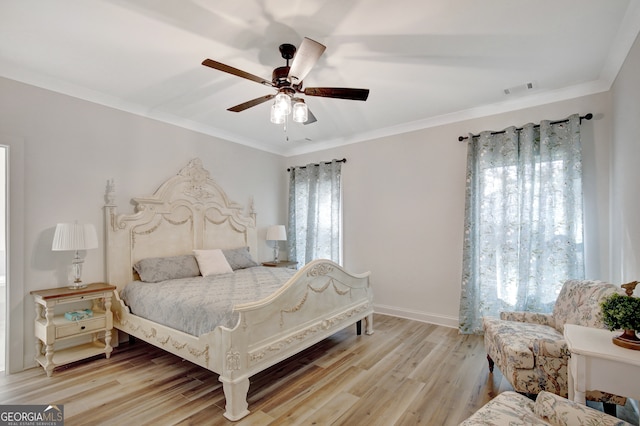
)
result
[(508, 408), (515, 340), (559, 411)]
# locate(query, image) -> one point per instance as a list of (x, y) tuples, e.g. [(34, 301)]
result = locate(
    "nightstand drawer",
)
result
[(77, 327)]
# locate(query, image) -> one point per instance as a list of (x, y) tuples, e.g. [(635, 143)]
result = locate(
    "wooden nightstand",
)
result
[(51, 326), (281, 264)]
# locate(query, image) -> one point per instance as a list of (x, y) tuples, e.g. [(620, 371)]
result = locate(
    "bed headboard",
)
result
[(189, 211)]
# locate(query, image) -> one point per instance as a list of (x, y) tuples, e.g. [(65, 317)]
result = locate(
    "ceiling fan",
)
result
[(288, 81)]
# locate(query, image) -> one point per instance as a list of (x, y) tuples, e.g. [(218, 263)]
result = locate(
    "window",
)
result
[(315, 212), (523, 220)]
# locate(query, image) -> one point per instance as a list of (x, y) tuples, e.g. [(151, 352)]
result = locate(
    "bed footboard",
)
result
[(319, 300)]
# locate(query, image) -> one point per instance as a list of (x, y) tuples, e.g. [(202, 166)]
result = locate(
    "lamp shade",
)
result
[(74, 236), (276, 233)]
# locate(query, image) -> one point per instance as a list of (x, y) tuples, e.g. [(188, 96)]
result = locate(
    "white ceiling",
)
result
[(426, 62)]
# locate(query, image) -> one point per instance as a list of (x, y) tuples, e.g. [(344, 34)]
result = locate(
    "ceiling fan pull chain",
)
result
[(284, 126)]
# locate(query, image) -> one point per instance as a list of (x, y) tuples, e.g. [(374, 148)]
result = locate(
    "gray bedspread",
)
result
[(198, 305)]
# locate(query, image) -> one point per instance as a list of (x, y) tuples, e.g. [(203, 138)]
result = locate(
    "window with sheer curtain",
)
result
[(523, 219), (315, 212)]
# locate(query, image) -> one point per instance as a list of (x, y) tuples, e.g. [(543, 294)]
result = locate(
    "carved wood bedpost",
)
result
[(110, 208)]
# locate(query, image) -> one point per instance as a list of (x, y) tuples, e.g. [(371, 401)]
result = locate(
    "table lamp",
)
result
[(276, 233), (75, 237)]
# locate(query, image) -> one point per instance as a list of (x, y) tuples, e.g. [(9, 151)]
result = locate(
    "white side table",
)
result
[(597, 364), (52, 327)]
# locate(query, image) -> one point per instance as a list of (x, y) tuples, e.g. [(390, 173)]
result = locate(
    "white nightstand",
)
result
[(51, 326)]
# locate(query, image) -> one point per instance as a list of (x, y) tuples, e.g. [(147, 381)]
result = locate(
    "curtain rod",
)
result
[(588, 116), (344, 160)]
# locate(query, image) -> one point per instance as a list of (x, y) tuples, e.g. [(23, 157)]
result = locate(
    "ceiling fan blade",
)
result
[(251, 103), (338, 92), (306, 57), (235, 71), (310, 117)]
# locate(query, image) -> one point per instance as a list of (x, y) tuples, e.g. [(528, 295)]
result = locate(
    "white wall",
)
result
[(71, 147), (625, 206), (404, 206)]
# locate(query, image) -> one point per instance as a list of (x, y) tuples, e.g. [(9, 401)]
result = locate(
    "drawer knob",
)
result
[(83, 327)]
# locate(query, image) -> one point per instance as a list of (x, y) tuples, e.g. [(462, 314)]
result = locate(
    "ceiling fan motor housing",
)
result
[(279, 77)]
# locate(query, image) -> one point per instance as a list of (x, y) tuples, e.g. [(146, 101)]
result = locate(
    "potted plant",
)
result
[(620, 312)]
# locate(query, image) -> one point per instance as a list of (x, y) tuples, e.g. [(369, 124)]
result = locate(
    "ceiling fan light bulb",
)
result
[(277, 115), (283, 102), (300, 112)]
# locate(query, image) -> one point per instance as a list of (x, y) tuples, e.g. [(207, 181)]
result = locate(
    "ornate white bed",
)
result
[(190, 211)]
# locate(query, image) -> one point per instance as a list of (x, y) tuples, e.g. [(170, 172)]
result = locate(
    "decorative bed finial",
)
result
[(252, 210), (110, 193)]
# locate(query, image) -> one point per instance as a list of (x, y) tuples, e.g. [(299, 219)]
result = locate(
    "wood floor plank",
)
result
[(334, 409), (406, 373), (329, 400)]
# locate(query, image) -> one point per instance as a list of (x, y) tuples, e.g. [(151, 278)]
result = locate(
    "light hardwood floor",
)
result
[(407, 373)]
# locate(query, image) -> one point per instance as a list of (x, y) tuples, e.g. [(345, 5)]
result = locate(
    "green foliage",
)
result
[(620, 312)]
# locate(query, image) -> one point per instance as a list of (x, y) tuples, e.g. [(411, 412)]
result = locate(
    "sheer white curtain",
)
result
[(315, 213), (523, 220)]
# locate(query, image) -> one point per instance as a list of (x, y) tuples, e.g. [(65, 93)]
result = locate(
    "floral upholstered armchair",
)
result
[(529, 348), (510, 408)]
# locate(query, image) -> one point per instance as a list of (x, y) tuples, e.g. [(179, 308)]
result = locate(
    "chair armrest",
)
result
[(560, 411), (551, 348), (532, 317)]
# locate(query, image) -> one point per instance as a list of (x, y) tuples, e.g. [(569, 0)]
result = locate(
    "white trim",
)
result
[(437, 319), (14, 350)]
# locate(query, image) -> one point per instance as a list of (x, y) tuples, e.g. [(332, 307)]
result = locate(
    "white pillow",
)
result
[(212, 262)]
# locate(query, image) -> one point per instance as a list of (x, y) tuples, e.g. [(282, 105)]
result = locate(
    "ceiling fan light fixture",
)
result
[(283, 102), (300, 111), (277, 115)]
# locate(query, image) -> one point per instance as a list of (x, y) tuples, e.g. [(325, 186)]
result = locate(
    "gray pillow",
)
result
[(156, 269), (239, 258)]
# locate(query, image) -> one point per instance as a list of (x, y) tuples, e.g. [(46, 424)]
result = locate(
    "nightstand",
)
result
[(52, 327), (281, 264)]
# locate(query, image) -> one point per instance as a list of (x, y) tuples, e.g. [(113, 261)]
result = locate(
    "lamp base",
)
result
[(77, 286)]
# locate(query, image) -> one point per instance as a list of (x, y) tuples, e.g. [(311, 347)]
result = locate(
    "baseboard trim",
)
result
[(446, 321)]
